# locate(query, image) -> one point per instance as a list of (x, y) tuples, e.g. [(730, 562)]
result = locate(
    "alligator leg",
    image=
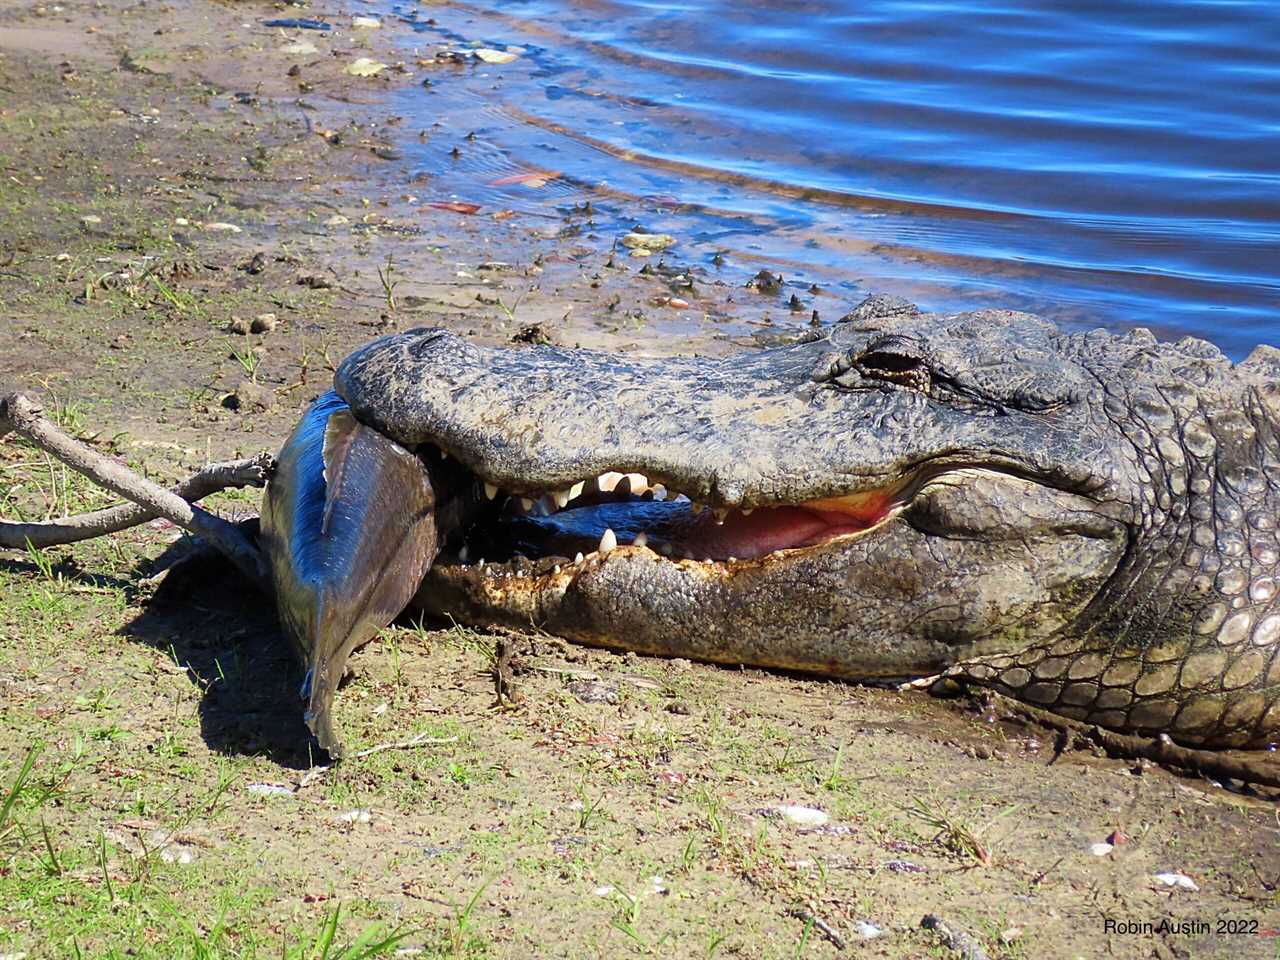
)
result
[(349, 528)]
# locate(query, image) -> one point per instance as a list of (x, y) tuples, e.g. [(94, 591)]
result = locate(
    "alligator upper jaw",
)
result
[(750, 430)]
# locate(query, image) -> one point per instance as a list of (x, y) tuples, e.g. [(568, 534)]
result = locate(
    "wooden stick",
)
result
[(421, 740), (820, 925), (21, 415), (252, 472)]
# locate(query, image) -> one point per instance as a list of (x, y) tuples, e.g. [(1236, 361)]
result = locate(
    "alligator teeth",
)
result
[(638, 483), (641, 540), (490, 490), (658, 492), (747, 511), (608, 541), (555, 568), (721, 513), (562, 498), (608, 482), (578, 558), (576, 490), (462, 554), (526, 504)]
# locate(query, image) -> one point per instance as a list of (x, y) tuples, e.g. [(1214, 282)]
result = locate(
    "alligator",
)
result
[(1084, 521)]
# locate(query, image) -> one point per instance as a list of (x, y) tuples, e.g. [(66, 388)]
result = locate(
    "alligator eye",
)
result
[(896, 365)]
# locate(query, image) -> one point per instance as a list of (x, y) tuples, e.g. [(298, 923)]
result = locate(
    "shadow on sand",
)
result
[(212, 621)]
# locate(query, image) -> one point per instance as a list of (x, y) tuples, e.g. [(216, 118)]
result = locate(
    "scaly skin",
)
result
[(1087, 522)]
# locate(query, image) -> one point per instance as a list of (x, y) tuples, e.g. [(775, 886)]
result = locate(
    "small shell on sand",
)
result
[(1180, 880)]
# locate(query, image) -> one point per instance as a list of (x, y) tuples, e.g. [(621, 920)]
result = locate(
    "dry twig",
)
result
[(21, 415), (820, 925), (421, 740), (85, 526)]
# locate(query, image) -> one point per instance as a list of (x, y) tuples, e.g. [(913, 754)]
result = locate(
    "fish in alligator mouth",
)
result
[(1083, 521)]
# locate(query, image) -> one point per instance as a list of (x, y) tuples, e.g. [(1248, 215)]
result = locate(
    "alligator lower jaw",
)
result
[(536, 533)]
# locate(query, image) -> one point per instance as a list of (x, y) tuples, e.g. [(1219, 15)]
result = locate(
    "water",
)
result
[(1110, 163)]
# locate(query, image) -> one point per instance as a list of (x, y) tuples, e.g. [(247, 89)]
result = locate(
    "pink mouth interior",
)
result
[(676, 530), (766, 530)]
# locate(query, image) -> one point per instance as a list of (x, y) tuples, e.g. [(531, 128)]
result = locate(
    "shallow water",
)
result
[(1107, 163)]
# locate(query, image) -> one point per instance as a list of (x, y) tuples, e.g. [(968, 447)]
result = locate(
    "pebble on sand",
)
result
[(648, 242), (802, 816), (365, 67), (269, 790)]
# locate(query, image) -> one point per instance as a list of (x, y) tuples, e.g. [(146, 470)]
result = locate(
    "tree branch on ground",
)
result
[(22, 415), (251, 472)]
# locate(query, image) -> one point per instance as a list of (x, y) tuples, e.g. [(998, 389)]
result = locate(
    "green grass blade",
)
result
[(6, 808)]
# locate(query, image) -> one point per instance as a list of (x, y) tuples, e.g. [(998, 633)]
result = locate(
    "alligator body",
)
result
[(1083, 521)]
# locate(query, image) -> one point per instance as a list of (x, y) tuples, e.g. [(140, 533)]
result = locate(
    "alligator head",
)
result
[(1081, 520)]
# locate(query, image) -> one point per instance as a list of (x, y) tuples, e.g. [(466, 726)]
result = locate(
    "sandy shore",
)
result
[(173, 175)]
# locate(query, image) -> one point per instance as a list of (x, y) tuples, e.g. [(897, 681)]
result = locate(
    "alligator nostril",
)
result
[(421, 340)]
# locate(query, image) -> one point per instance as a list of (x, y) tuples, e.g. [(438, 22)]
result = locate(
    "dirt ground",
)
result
[(171, 173)]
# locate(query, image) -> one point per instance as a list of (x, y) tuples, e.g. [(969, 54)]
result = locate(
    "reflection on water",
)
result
[(1108, 162)]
